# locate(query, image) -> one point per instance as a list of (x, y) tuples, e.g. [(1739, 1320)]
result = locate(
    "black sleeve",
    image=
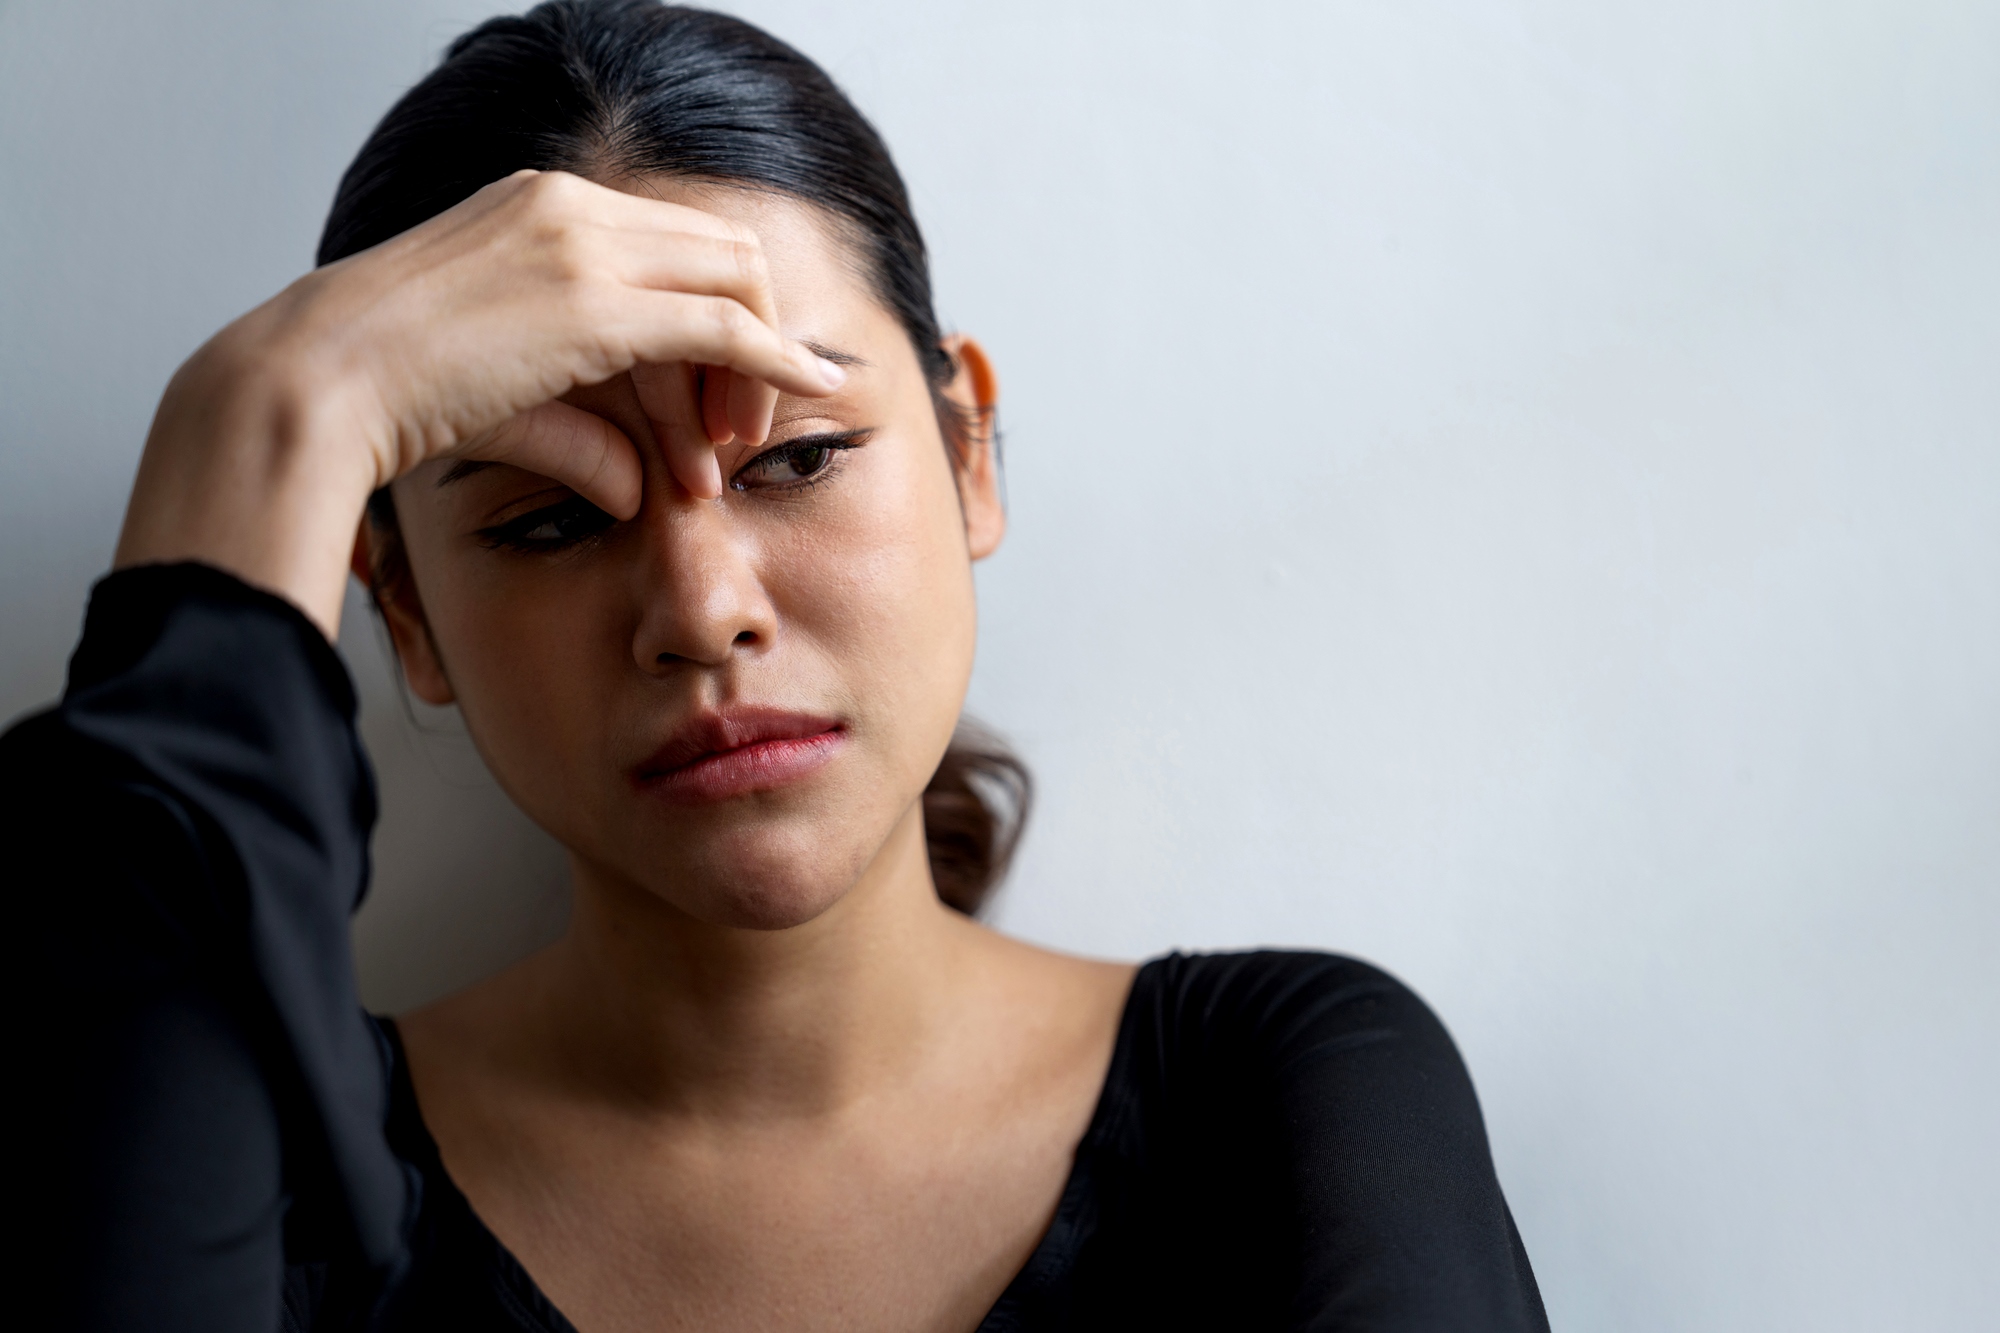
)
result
[(1376, 1150), (185, 837)]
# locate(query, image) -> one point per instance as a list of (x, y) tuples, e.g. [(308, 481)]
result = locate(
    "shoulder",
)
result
[(1284, 1004), (1331, 1099), (1288, 1038)]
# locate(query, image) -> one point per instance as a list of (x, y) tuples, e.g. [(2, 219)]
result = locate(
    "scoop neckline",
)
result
[(1045, 1265)]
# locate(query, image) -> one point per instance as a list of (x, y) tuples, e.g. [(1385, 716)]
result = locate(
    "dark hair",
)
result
[(613, 89)]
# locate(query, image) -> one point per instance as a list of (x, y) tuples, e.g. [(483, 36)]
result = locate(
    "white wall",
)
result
[(1510, 489)]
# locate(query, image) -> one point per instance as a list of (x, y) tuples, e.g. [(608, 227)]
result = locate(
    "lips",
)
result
[(717, 756)]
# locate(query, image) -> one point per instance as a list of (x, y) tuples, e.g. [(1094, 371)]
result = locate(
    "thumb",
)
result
[(670, 396)]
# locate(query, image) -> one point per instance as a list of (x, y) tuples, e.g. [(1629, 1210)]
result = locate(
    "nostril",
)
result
[(747, 636)]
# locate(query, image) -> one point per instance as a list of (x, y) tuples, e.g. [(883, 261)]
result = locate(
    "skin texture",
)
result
[(452, 341), (766, 1079)]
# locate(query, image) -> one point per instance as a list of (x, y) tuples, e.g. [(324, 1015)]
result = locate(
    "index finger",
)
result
[(662, 327)]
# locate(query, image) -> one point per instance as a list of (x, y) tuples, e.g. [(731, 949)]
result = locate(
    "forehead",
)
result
[(822, 293), (817, 274)]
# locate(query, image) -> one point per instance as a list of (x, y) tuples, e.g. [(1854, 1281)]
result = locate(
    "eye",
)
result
[(550, 528), (806, 462), (800, 462)]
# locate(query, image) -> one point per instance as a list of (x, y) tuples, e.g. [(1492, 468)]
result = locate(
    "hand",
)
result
[(453, 340)]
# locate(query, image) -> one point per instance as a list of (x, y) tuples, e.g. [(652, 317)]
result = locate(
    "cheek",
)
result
[(871, 594), (881, 587), (534, 654)]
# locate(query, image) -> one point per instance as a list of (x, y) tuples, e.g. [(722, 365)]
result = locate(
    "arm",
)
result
[(189, 832), (1401, 1221), (190, 823), (440, 343)]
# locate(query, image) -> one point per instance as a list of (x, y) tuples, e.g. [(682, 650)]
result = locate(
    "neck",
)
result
[(653, 1006)]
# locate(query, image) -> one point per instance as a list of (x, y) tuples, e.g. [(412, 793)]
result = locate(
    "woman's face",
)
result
[(732, 703)]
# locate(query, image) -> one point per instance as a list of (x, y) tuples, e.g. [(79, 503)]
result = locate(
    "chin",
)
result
[(763, 880), (761, 906)]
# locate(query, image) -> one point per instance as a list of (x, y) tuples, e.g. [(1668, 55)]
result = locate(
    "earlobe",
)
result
[(396, 599), (976, 390)]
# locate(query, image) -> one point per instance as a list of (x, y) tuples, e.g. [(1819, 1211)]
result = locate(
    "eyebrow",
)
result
[(833, 354), (462, 469)]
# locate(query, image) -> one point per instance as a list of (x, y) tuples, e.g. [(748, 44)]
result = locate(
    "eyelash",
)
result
[(513, 534), (834, 442)]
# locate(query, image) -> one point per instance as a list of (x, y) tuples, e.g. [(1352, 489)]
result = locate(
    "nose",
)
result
[(702, 602)]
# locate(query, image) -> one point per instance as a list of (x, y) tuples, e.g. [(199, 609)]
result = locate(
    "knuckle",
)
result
[(551, 197), (732, 321), (553, 187), (570, 252), (747, 256)]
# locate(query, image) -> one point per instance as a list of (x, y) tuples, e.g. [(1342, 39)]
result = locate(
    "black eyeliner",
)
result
[(837, 441), (513, 533)]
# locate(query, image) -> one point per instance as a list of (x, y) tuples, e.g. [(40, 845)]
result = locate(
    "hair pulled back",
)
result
[(616, 89)]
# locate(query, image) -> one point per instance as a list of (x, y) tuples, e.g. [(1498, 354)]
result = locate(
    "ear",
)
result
[(976, 390), (396, 596)]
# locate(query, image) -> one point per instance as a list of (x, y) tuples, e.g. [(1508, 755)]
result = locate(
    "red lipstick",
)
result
[(734, 751)]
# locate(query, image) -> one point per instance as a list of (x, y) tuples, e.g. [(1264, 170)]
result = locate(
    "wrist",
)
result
[(258, 463)]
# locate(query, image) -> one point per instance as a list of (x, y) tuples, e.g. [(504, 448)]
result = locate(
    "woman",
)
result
[(621, 358)]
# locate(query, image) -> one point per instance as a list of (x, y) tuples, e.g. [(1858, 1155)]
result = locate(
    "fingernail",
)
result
[(832, 374)]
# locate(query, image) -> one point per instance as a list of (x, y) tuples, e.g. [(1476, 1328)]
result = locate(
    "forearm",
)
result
[(258, 463), (270, 439), (190, 827)]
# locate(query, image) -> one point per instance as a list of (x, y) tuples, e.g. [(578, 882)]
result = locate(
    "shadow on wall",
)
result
[(464, 883)]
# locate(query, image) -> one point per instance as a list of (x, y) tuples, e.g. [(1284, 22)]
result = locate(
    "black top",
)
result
[(225, 1141)]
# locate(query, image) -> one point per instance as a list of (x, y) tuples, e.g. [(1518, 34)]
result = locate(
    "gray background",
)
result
[(1508, 489)]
